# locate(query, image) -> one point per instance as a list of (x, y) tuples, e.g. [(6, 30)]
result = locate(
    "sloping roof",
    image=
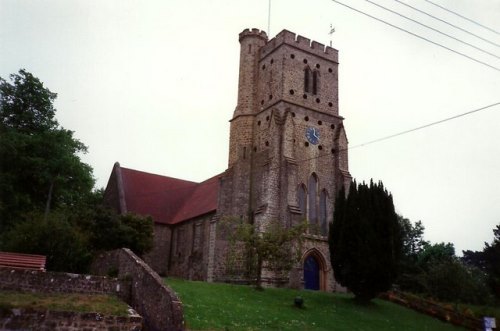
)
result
[(167, 200), (203, 200)]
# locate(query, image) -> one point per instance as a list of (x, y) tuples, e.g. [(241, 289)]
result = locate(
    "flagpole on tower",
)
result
[(269, 20)]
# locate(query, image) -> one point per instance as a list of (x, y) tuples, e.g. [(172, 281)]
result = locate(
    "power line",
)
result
[(433, 29), (418, 36), (341, 150), (425, 126), (450, 24), (465, 18)]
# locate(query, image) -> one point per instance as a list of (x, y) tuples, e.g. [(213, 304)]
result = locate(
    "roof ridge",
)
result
[(154, 174)]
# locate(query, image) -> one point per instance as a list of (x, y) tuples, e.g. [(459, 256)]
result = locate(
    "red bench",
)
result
[(22, 261)]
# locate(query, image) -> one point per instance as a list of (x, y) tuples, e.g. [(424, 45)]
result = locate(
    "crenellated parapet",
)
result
[(302, 43), (253, 33)]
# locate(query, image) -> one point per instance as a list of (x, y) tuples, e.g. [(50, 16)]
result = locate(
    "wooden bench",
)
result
[(22, 261)]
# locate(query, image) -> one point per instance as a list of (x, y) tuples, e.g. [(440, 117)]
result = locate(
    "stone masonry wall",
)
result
[(59, 282), (190, 247), (29, 319), (158, 304), (158, 257)]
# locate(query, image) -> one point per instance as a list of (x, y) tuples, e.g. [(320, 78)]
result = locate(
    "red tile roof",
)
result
[(168, 200)]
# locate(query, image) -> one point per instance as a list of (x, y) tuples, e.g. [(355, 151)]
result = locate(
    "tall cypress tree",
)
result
[(365, 240)]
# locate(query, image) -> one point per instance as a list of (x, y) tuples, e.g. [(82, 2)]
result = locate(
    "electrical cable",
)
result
[(465, 18), (425, 126), (418, 36), (448, 23), (344, 149), (433, 29)]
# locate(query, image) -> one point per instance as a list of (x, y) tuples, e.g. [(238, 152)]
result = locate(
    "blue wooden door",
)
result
[(311, 273)]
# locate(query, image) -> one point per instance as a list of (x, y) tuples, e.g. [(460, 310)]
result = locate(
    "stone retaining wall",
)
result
[(60, 282), (158, 304), (29, 319)]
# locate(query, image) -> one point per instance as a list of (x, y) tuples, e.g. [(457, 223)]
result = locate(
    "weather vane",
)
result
[(332, 30)]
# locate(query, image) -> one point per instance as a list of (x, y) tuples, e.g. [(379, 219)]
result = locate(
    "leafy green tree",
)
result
[(55, 237), (277, 248), (413, 244), (450, 280), (40, 167), (488, 260), (412, 237), (492, 256), (365, 240), (108, 230), (47, 205)]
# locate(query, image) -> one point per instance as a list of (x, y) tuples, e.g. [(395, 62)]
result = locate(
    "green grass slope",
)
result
[(213, 306)]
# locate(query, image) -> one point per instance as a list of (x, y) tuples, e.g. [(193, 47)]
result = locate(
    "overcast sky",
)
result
[(152, 84)]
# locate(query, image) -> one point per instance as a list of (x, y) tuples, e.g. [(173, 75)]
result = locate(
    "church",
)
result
[(287, 161)]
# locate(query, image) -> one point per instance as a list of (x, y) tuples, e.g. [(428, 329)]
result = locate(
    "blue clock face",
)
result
[(312, 135)]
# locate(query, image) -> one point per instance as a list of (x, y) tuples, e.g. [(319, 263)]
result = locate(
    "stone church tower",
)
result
[(288, 147), (287, 161)]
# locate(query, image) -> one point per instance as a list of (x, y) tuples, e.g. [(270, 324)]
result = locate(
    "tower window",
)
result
[(323, 213), (307, 73), (315, 82), (311, 198), (301, 199)]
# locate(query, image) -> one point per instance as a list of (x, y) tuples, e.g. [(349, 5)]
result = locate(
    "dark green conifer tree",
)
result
[(365, 240)]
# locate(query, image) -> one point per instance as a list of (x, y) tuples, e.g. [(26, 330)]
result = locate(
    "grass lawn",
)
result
[(213, 306), (104, 304)]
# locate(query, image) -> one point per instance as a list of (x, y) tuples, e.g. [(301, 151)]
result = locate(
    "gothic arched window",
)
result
[(323, 213), (312, 197), (315, 82), (307, 79), (301, 199)]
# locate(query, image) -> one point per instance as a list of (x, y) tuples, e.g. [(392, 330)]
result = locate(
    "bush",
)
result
[(111, 231), (65, 247), (454, 282)]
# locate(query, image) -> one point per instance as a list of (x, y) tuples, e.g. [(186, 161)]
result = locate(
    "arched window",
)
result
[(312, 194), (307, 79), (315, 82), (322, 213), (301, 199)]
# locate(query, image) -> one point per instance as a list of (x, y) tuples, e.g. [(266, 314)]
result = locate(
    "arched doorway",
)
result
[(311, 273), (315, 270)]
